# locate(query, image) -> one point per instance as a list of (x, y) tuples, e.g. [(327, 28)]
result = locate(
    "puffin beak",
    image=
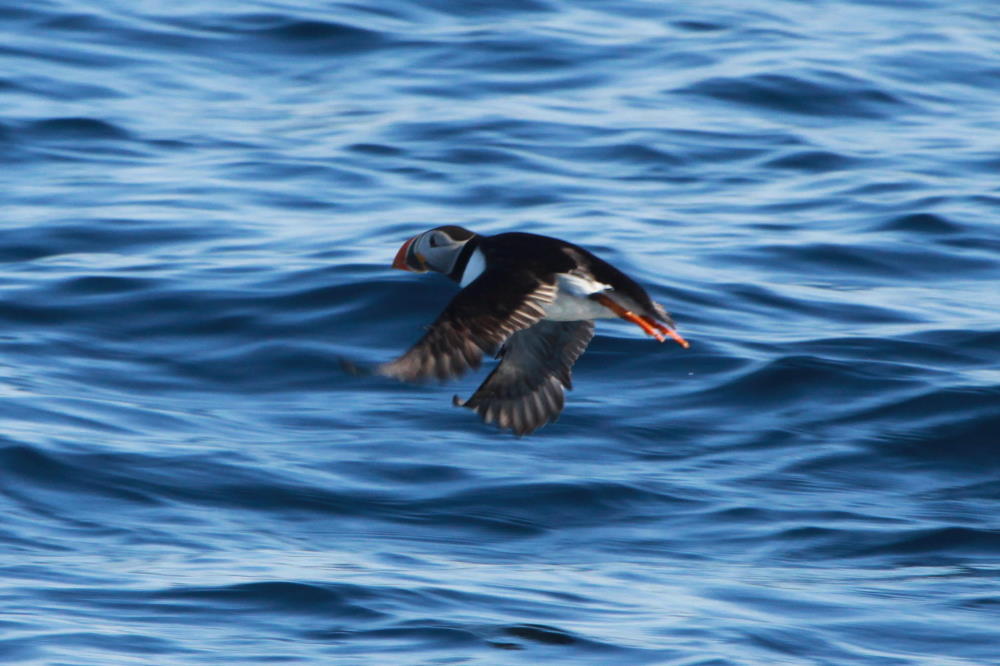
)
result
[(401, 262)]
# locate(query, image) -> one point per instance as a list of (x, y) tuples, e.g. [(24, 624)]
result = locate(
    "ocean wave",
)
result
[(201, 209)]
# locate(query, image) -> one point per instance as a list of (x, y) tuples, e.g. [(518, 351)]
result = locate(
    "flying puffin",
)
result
[(529, 299)]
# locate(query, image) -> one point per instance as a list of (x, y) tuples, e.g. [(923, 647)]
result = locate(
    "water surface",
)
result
[(200, 203)]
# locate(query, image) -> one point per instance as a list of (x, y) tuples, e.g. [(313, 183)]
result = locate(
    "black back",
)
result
[(543, 256)]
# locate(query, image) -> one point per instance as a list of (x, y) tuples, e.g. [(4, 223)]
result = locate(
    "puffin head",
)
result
[(434, 250)]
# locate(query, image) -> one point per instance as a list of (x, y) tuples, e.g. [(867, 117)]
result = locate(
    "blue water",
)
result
[(200, 202)]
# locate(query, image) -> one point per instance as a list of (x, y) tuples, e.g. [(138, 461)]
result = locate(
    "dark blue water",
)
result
[(200, 201)]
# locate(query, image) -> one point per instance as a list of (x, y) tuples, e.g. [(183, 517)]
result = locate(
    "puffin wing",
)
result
[(525, 391), (479, 319)]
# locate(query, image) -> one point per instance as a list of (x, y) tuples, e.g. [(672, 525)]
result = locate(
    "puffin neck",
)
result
[(458, 269)]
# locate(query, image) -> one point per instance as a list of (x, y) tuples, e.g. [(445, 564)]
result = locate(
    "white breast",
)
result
[(572, 304), (474, 268)]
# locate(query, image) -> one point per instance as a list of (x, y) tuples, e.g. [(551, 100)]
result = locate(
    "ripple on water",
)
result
[(808, 93), (200, 213)]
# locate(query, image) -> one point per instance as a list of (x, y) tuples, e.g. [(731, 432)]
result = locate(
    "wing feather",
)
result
[(526, 390), (478, 320)]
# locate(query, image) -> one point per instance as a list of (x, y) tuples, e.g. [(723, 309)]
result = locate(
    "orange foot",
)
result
[(650, 326)]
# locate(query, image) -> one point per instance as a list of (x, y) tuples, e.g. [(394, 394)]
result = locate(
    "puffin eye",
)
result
[(434, 240)]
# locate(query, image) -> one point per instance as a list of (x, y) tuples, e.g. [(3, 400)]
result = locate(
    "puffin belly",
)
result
[(572, 302)]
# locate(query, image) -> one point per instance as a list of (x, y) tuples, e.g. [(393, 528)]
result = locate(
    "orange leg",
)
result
[(672, 333), (650, 326)]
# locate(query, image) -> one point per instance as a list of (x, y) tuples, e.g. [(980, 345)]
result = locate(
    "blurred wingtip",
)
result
[(352, 368)]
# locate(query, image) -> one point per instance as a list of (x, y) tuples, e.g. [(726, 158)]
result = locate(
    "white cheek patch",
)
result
[(473, 269)]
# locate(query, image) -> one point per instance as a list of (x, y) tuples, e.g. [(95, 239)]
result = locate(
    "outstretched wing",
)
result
[(479, 319), (525, 391)]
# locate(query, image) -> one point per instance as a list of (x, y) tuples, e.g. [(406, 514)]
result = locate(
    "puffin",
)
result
[(528, 299)]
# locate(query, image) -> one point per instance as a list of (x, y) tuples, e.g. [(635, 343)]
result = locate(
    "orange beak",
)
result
[(401, 262)]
